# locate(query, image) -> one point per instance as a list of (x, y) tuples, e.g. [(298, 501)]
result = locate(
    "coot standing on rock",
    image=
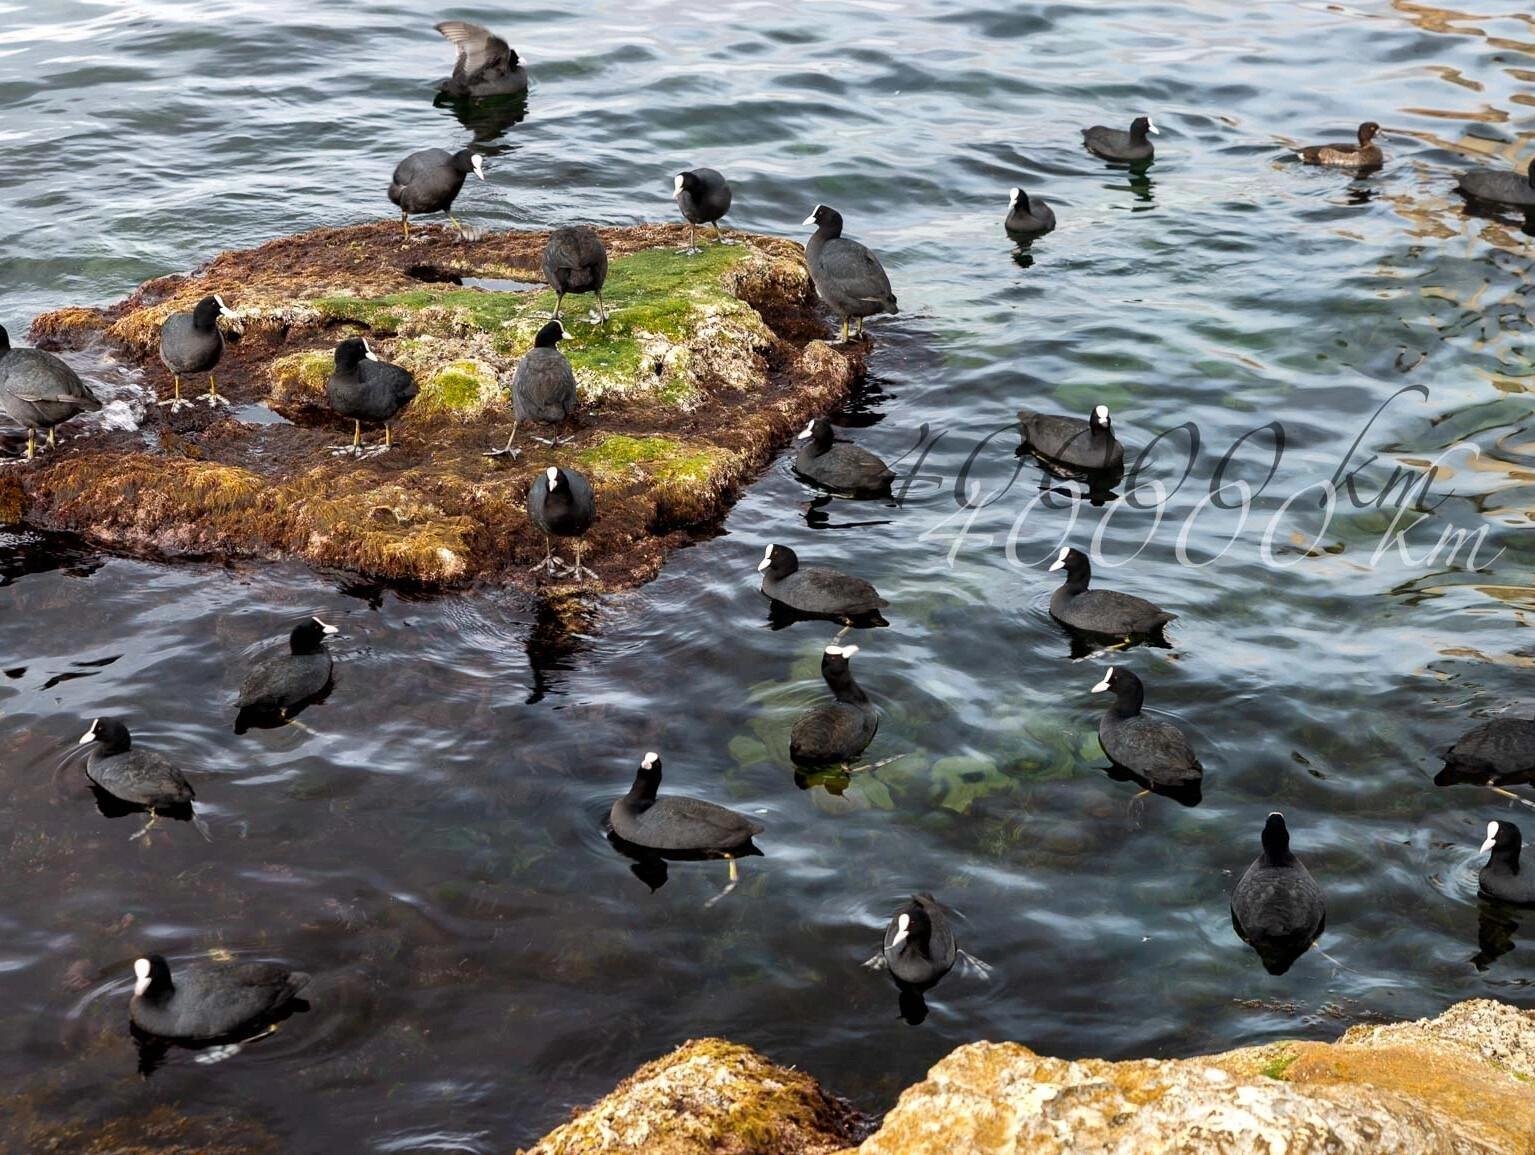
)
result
[(1087, 445), (1502, 878), (561, 503), (1366, 154), (141, 778), (205, 1001), (676, 826), (575, 261), (1497, 187), (543, 388), (429, 181), (191, 343), (1101, 612), (836, 733), (848, 276), (703, 195), (363, 388), (39, 391), (1277, 907), (1115, 144), (283, 683), (818, 592), (1026, 218), (486, 64), (839, 466), (1149, 748)]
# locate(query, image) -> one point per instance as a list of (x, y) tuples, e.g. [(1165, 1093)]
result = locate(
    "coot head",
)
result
[(111, 733), (647, 779), (5, 340), (827, 220), (152, 975), (555, 476), (308, 637), (685, 182), (1017, 198), (550, 335), (779, 561), (1276, 840), (206, 313), (835, 658), (1099, 420), (351, 353), (1074, 562), (1503, 839), (468, 161), (1141, 125), (1367, 132), (819, 433)]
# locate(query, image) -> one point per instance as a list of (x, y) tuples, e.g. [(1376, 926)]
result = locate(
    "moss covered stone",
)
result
[(707, 365)]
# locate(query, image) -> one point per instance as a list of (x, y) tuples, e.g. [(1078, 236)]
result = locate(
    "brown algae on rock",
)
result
[(707, 365)]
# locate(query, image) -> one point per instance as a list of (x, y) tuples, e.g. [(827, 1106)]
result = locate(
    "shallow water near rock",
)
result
[(429, 845)]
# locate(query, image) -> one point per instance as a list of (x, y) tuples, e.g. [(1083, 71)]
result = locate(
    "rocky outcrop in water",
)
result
[(1463, 1082), (707, 364)]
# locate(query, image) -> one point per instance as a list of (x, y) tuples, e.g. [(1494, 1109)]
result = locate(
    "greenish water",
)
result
[(430, 846)]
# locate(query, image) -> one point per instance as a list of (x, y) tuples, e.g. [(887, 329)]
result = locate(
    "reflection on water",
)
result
[(428, 843)]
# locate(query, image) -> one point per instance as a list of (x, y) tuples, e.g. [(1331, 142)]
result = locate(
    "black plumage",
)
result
[(1501, 877), (486, 65), (703, 195), (815, 591), (1498, 187), (1131, 147), (1364, 154), (1085, 445), (1149, 748), (839, 466), (429, 182), (674, 823), (919, 943), (204, 1001), (836, 733), (39, 391), (561, 504), (1277, 908), (284, 682), (1027, 218), (141, 778), (191, 343), (576, 261), (848, 276), (1496, 753), (363, 388), (1102, 612), (543, 387)]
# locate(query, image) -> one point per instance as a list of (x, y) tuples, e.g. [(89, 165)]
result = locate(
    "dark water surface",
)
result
[(429, 844)]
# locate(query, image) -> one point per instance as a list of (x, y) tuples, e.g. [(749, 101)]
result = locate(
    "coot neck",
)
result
[(840, 679), (821, 439), (1078, 574), (643, 792), (1276, 847), (1128, 697), (1506, 855)]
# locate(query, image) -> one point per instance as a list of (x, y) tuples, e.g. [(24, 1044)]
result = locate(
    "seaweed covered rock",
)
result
[(706, 365), (709, 1097)]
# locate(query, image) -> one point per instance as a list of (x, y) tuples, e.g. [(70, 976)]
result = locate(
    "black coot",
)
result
[(1084, 444), (1496, 753), (1365, 154), (1114, 144), (1101, 612), (919, 944), (1149, 748), (848, 276), (1277, 907), (543, 388), (39, 391), (840, 466), (141, 778), (836, 733), (674, 823), (486, 64), (206, 1000), (703, 195), (1500, 188), (1026, 218), (191, 343), (561, 503), (1501, 878), (429, 181), (576, 261), (823, 593), (283, 683), (363, 388)]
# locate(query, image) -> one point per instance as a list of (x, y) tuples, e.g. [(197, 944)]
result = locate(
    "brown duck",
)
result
[(1365, 154)]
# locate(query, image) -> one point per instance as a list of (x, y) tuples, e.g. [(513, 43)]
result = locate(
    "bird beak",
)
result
[(810, 220), (479, 167), (1055, 565), (90, 736), (367, 351), (898, 939), (1486, 846), (1151, 128), (805, 433), (764, 563), (327, 629), (1101, 686)]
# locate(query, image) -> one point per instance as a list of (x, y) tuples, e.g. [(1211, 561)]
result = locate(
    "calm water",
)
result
[(429, 845)]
